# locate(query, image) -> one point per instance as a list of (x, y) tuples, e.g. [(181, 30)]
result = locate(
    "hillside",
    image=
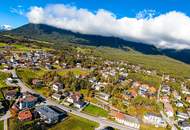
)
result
[(60, 36)]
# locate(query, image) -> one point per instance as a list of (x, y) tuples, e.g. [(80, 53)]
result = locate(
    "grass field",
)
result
[(75, 123), (76, 71), (1, 125), (95, 111), (3, 77), (28, 74)]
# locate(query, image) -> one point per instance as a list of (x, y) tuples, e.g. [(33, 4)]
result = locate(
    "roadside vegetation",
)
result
[(95, 111)]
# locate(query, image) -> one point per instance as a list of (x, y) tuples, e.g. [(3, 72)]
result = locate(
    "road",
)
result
[(168, 120), (101, 121)]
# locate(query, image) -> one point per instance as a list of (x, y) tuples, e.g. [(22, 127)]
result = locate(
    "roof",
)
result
[(122, 116), (28, 98), (24, 115), (56, 95), (47, 111)]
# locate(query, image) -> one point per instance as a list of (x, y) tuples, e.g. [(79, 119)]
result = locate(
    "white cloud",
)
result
[(170, 30), (17, 10)]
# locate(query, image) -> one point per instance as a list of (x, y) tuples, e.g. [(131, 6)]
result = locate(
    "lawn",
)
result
[(1, 125), (76, 71), (75, 123), (43, 90), (95, 111)]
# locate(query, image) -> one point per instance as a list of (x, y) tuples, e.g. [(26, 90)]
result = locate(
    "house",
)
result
[(135, 84), (165, 89), (126, 119), (169, 109), (184, 125), (57, 87), (179, 103), (11, 94), (152, 91), (25, 115), (79, 104), (176, 95), (37, 82), (104, 96), (75, 97), (143, 89), (182, 116), (57, 96), (27, 101), (47, 114), (188, 99), (154, 119), (130, 93), (165, 99)]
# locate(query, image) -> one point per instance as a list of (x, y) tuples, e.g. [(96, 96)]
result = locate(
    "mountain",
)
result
[(61, 36), (5, 27)]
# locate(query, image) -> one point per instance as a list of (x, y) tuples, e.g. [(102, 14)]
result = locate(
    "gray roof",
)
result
[(47, 111), (132, 119)]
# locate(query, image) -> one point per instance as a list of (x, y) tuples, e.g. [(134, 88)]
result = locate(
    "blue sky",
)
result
[(120, 8)]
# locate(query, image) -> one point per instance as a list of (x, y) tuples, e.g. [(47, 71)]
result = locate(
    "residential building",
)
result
[(57, 87), (37, 82), (154, 119), (104, 96), (25, 115), (79, 104), (126, 120), (27, 101), (182, 116), (57, 96), (47, 114), (184, 125)]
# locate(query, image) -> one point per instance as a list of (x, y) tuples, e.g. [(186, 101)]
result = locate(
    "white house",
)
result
[(184, 125), (57, 87), (104, 96), (56, 96), (154, 119), (126, 120)]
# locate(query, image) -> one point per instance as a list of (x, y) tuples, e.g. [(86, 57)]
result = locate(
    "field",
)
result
[(75, 71), (161, 63), (3, 77), (95, 111), (151, 80), (1, 125), (27, 74), (75, 123)]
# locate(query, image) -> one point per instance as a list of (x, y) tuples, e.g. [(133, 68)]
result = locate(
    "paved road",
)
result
[(101, 121), (168, 120), (4, 118)]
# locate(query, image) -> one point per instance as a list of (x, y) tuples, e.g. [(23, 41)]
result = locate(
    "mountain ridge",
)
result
[(61, 36)]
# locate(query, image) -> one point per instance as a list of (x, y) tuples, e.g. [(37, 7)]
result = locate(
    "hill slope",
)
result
[(60, 36)]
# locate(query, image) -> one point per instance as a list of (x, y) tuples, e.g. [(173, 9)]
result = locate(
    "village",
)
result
[(46, 86)]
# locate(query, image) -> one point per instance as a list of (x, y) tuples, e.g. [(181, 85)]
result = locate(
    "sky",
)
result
[(163, 23)]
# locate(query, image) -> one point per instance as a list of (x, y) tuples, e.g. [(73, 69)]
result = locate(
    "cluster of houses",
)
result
[(138, 88), (28, 107), (176, 106), (67, 98)]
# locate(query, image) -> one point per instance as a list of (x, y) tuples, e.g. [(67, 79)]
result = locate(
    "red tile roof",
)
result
[(25, 115)]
